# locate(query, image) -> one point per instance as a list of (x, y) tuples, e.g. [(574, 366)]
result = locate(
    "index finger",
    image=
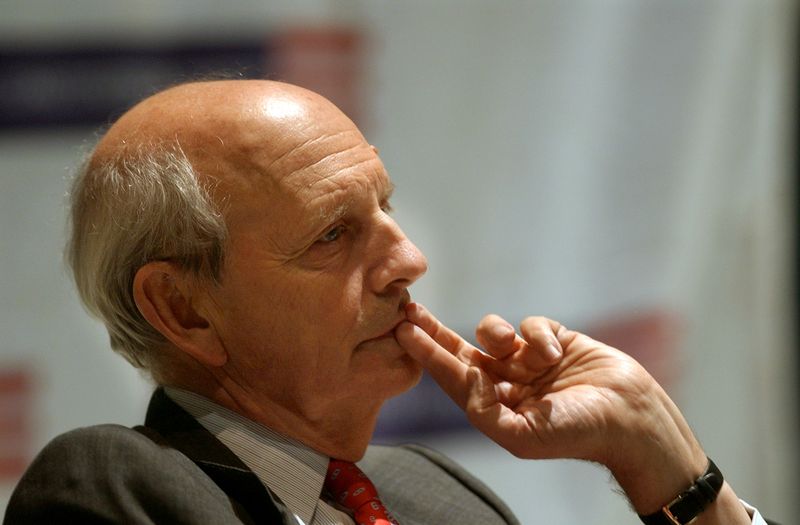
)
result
[(444, 353), (445, 368), (446, 338)]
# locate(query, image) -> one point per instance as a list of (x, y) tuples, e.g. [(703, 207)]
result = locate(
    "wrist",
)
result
[(649, 491), (691, 502), (657, 456), (727, 510)]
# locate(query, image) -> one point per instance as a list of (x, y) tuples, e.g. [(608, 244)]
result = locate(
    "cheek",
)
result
[(341, 305), (272, 308), (315, 310), (251, 310)]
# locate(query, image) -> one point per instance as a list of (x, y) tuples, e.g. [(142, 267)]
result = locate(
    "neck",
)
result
[(341, 431)]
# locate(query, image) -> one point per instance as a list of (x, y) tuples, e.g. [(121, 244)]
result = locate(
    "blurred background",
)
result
[(626, 167)]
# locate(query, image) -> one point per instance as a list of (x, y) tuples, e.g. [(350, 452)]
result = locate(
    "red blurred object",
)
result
[(652, 337), (16, 406), (329, 61)]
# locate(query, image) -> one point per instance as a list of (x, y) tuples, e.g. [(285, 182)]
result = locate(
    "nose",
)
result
[(398, 261)]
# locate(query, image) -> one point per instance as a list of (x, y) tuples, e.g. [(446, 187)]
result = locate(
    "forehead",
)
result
[(306, 187), (327, 165), (330, 185)]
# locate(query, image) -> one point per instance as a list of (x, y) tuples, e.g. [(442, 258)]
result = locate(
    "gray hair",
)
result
[(145, 204)]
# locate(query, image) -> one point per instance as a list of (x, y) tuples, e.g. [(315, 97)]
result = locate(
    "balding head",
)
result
[(159, 182), (225, 128)]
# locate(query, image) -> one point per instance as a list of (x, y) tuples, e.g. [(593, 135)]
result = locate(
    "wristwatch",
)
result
[(691, 502)]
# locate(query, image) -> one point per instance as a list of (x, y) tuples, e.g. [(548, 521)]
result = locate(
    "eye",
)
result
[(386, 207), (333, 234)]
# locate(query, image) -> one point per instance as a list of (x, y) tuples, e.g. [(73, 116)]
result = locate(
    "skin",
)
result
[(310, 329)]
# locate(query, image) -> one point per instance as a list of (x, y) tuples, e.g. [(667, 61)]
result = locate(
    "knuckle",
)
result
[(536, 323)]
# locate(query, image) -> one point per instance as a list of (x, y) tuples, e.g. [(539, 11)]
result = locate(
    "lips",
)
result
[(388, 333), (389, 330)]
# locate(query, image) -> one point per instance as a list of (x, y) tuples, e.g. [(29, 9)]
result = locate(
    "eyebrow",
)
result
[(328, 215), (340, 210), (333, 215)]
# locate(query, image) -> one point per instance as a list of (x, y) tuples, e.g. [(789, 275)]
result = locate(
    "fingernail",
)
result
[(501, 331), (411, 310), (553, 352)]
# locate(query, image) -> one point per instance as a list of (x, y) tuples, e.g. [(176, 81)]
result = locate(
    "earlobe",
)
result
[(163, 295)]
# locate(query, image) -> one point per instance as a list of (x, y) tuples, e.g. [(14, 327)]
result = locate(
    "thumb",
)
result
[(493, 418)]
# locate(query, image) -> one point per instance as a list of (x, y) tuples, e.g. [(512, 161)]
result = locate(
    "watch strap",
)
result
[(691, 502)]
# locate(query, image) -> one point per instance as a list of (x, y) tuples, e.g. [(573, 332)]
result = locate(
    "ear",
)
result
[(163, 294)]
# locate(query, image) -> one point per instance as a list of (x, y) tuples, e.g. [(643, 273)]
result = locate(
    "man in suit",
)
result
[(235, 238)]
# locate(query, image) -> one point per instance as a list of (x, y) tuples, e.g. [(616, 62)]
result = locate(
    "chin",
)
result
[(395, 370), (405, 376)]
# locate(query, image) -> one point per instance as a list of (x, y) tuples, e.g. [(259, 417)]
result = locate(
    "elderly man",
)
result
[(235, 238)]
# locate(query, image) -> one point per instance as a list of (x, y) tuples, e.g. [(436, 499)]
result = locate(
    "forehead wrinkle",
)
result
[(312, 152), (298, 182), (338, 172), (305, 144), (331, 157), (334, 204)]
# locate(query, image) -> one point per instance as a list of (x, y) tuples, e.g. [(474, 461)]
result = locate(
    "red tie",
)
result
[(352, 489)]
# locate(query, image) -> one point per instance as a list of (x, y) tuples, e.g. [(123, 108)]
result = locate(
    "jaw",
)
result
[(330, 408)]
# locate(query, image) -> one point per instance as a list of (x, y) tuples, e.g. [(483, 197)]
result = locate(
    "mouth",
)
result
[(404, 300), (389, 332)]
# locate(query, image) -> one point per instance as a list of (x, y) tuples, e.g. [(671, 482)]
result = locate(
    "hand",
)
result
[(555, 393)]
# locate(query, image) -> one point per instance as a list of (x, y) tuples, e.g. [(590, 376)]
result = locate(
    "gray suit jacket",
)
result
[(173, 471)]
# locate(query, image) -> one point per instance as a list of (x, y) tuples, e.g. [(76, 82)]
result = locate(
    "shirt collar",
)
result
[(292, 471)]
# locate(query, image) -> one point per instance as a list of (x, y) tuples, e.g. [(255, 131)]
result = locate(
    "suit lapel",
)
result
[(167, 423)]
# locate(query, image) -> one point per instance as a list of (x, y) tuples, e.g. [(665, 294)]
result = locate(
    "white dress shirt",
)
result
[(757, 519)]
